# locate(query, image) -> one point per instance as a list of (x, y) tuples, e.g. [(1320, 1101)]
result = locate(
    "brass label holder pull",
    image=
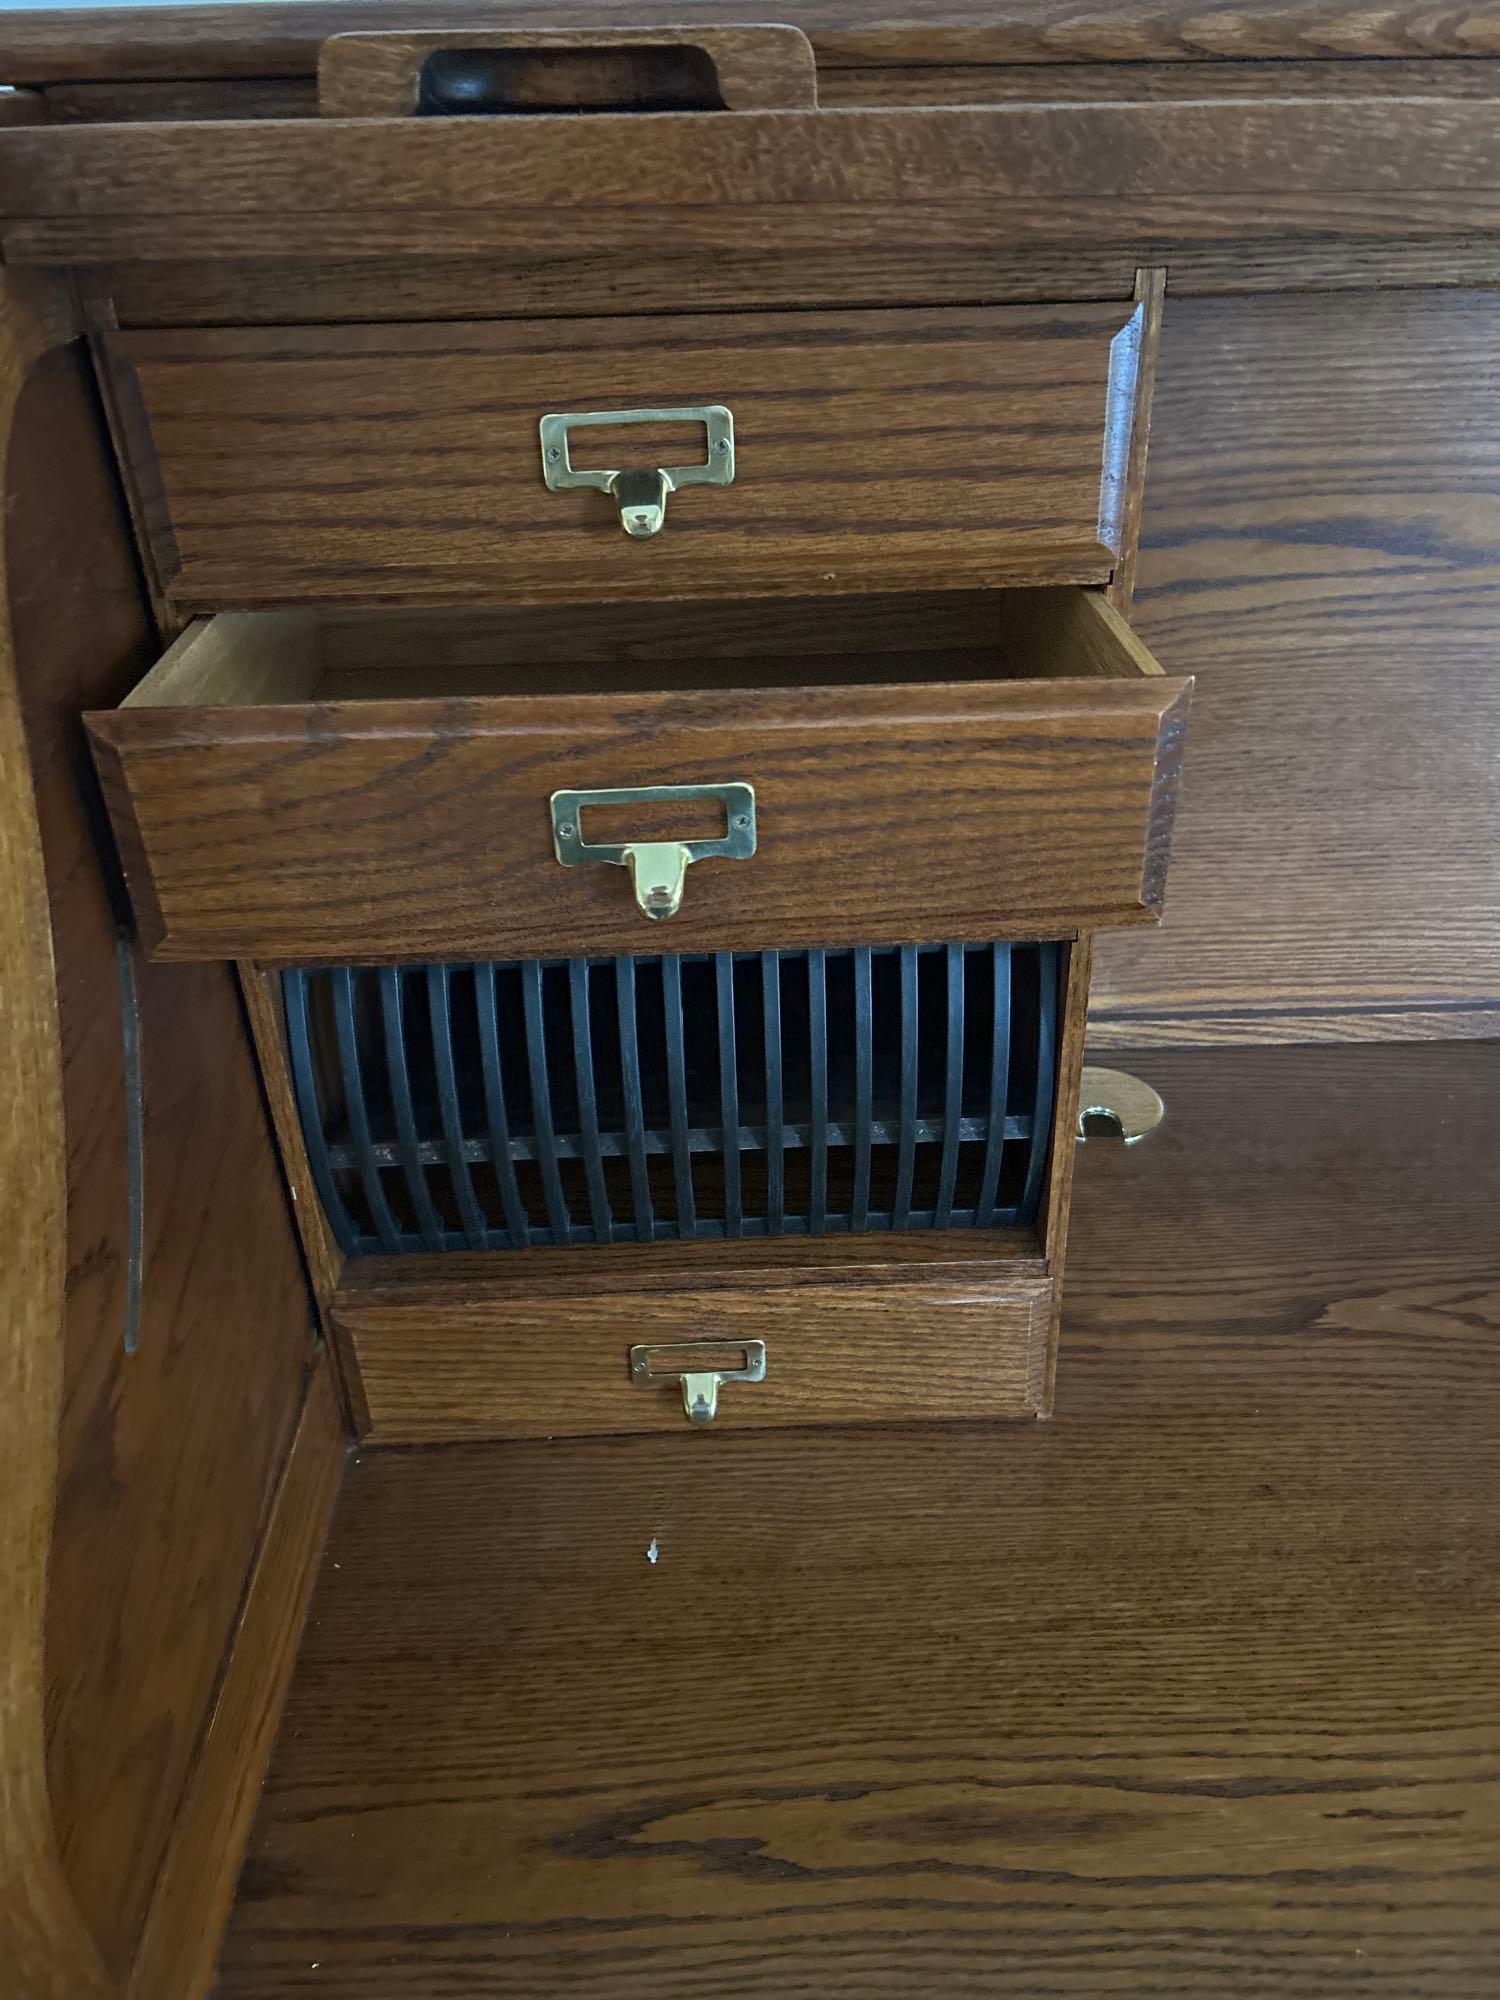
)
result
[(640, 493), (684, 1361), (658, 868)]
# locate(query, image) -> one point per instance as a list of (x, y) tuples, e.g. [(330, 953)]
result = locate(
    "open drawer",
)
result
[(304, 788)]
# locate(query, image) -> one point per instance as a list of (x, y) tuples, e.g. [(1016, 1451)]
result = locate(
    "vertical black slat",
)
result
[(864, 1082), (770, 987), (588, 1103), (906, 1156), (677, 1104), (635, 1116), (439, 996), (559, 1221), (729, 1094), (391, 1013), (516, 1220), (817, 1034), (953, 1092), (294, 992), (358, 1111), (1046, 1068), (994, 1141)]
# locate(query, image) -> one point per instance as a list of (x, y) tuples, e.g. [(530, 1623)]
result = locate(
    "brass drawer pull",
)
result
[(658, 868), (640, 493), (683, 1361)]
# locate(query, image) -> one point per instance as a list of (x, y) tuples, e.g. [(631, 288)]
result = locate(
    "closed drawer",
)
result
[(300, 791), (871, 451), (525, 1354)]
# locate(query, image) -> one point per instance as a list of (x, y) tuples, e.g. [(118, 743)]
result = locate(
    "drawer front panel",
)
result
[(968, 1343), (871, 450), (373, 831)]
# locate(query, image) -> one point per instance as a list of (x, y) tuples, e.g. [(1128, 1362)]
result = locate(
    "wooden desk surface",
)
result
[(1193, 1690)]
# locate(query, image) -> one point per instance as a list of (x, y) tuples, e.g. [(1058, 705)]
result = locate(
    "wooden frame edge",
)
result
[(260, 993), (1150, 294), (179, 1949), (1058, 1193), (43, 1935)]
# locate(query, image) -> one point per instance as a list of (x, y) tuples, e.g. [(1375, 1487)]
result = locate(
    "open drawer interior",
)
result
[(293, 657)]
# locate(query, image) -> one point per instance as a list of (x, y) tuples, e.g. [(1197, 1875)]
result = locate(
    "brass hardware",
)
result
[(658, 868), (640, 494), (1120, 1106), (682, 1361)]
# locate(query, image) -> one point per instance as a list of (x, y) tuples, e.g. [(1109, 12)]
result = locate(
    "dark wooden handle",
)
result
[(446, 73)]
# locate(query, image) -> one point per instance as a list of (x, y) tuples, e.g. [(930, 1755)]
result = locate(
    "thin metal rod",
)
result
[(953, 1096), (994, 1145), (729, 1093), (1046, 1078), (392, 1018), (700, 1139), (907, 1144), (864, 1082), (440, 1023), (133, 1087), (588, 1104), (817, 1022), (770, 987), (539, 1070), (635, 1119), (294, 995), (677, 1100), (496, 1114), (357, 1111)]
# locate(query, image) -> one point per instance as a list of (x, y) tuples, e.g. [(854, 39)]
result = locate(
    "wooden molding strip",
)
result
[(1178, 171), (44, 1943), (42, 1935), (195, 1889), (54, 44)]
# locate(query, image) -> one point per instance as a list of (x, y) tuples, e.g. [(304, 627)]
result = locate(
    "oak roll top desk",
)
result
[(597, 558)]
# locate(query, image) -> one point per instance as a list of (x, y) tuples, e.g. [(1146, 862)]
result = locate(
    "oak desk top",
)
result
[(1191, 1691)]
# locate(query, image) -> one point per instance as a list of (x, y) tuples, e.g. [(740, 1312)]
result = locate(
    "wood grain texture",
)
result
[(868, 1343), (44, 1937), (151, 40), (691, 643), (748, 68), (1188, 1692), (251, 293), (1323, 524), (381, 830), (872, 451), (891, 84), (163, 1461), (165, 1458), (195, 1889), (119, 402), (971, 176), (919, 82), (261, 993), (246, 97), (1057, 1186)]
